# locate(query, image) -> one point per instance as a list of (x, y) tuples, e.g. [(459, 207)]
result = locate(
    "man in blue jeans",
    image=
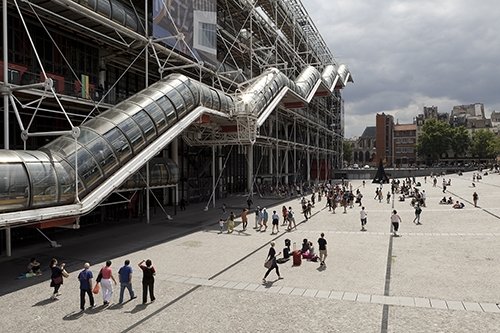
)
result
[(125, 274)]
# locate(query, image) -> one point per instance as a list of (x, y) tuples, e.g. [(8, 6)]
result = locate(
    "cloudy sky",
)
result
[(407, 54)]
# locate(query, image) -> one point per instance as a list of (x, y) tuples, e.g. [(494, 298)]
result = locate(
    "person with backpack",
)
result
[(148, 280), (85, 278)]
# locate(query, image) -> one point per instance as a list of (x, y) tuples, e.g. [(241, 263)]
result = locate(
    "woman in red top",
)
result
[(107, 287)]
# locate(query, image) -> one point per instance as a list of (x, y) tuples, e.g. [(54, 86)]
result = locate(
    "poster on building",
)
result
[(195, 20)]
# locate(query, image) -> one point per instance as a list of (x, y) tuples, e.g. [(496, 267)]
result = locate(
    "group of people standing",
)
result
[(104, 281)]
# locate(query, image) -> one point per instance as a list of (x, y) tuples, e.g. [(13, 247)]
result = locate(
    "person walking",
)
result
[(322, 249), (363, 216), (284, 212), (395, 220), (58, 273), (271, 263), (258, 218), (85, 278), (418, 211), (291, 219), (276, 220), (230, 223), (107, 287), (125, 277), (475, 197), (265, 218), (148, 280), (244, 218)]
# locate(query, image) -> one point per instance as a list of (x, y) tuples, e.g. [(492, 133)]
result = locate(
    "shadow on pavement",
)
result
[(74, 315), (44, 302)]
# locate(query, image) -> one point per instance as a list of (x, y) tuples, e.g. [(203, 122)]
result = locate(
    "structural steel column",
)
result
[(5, 77), (174, 153), (146, 78), (277, 152), (295, 151), (8, 245), (220, 169), (286, 156), (8, 249), (308, 155), (250, 169), (214, 148)]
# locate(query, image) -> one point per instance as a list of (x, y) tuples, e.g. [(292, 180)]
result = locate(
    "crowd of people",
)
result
[(336, 195)]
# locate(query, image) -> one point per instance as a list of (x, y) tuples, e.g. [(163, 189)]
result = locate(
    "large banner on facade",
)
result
[(195, 20)]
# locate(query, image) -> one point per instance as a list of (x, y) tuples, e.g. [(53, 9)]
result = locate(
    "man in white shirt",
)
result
[(363, 215)]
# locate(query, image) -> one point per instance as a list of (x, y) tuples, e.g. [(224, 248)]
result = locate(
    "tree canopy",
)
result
[(434, 140), (485, 144), (347, 147), (438, 137)]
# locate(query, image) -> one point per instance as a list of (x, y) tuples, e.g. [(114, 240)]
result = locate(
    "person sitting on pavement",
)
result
[(443, 201), (458, 205), (34, 267), (305, 246), (310, 254), (450, 201)]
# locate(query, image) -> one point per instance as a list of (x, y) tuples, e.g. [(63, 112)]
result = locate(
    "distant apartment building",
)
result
[(384, 139), (364, 147), (495, 122), (405, 144)]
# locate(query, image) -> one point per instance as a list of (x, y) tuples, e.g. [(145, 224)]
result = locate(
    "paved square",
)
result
[(441, 276)]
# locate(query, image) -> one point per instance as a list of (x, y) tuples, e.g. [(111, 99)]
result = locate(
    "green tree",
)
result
[(347, 147), (484, 144), (434, 140), (460, 141)]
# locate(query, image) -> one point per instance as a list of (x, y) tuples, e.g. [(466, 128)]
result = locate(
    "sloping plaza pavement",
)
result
[(441, 276)]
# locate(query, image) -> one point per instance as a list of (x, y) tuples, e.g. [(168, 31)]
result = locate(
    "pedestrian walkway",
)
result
[(440, 276)]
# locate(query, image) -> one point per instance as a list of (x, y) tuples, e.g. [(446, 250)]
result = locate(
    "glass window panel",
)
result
[(86, 136), (146, 124), (119, 143), (118, 13), (63, 145), (103, 154), (14, 187), (133, 134), (156, 113), (215, 99), (88, 170), (66, 180), (206, 96), (187, 94), (43, 184), (99, 125), (173, 171), (177, 100), (168, 109)]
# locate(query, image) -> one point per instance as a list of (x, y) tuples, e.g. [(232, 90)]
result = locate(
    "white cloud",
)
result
[(407, 54)]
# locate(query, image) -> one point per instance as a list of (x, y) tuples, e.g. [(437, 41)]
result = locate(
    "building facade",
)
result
[(405, 145), (384, 139), (364, 147), (245, 106)]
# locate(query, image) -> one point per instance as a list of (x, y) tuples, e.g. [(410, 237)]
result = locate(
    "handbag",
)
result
[(57, 279), (99, 277), (268, 264), (96, 288)]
